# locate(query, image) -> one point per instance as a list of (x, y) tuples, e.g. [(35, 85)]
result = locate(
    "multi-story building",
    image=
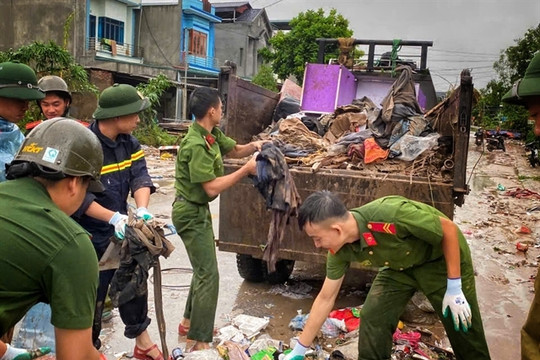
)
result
[(126, 41), (242, 32)]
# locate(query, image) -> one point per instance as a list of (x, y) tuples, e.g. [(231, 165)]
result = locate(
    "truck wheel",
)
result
[(250, 268), (284, 269)]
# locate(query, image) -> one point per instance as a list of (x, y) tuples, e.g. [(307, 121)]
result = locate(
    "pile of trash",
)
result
[(244, 339), (362, 136)]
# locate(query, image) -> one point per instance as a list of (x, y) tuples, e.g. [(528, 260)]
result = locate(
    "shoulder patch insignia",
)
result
[(388, 228), (369, 238)]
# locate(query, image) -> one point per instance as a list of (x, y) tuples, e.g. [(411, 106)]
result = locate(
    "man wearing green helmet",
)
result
[(46, 256), (18, 85), (526, 92), (105, 215)]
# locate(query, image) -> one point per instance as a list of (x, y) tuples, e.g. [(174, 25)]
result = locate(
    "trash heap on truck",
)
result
[(361, 129)]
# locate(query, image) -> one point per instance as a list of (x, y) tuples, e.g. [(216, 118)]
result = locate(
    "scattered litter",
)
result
[(209, 354), (230, 332), (520, 193), (501, 187), (250, 325), (522, 247)]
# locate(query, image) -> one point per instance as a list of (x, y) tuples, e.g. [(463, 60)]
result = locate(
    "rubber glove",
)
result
[(119, 222), (296, 354), (455, 302), (142, 213), (22, 354)]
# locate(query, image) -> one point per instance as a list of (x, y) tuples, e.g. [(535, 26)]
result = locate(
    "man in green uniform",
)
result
[(416, 247), (200, 179), (46, 256), (526, 92)]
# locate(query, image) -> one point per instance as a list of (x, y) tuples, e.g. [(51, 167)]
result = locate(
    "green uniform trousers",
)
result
[(390, 293), (530, 333), (193, 223)]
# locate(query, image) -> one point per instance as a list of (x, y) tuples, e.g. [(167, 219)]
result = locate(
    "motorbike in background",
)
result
[(532, 156), (495, 142), (479, 137)]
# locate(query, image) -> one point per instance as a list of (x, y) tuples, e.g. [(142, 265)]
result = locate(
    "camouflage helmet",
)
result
[(18, 81), (119, 100), (62, 146), (54, 83), (526, 87)]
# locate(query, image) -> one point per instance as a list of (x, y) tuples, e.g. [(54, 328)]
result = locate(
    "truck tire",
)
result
[(284, 269), (250, 268)]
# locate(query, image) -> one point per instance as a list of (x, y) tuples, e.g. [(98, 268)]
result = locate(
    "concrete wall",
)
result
[(25, 21), (160, 26), (240, 43)]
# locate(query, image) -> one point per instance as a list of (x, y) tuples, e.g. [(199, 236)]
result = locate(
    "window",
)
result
[(197, 43), (111, 29), (92, 27)]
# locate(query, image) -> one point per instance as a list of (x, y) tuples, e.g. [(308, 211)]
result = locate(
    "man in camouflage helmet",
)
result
[(18, 85), (46, 256), (57, 100), (104, 215), (526, 92)]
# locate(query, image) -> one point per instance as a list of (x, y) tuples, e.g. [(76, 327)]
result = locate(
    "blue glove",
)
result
[(119, 221), (296, 354), (142, 213), (455, 301)]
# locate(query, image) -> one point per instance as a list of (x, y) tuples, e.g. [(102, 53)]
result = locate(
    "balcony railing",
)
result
[(199, 60), (114, 48)]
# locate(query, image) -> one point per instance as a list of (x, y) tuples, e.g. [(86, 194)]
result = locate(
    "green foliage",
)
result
[(292, 50), (265, 78), (149, 132), (510, 67)]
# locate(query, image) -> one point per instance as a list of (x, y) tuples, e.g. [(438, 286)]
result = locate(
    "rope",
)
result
[(394, 56)]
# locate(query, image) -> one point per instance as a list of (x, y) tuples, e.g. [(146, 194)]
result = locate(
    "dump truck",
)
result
[(248, 109)]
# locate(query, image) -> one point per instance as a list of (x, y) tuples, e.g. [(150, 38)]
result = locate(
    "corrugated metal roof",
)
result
[(249, 15), (232, 4)]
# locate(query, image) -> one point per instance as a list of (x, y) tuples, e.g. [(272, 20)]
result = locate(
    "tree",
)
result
[(511, 66), (292, 50), (148, 131), (265, 78)]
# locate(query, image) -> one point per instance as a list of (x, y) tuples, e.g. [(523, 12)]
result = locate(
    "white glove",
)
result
[(296, 354), (142, 213), (455, 301), (119, 222)]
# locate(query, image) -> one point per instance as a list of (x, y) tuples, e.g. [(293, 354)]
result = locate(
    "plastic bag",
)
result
[(412, 146)]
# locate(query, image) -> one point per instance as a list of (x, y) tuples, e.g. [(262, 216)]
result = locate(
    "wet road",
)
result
[(488, 218)]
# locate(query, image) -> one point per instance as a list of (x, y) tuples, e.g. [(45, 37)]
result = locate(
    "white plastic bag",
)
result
[(412, 146)]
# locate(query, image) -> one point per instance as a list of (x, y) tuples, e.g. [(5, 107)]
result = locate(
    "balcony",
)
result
[(111, 50), (199, 62)]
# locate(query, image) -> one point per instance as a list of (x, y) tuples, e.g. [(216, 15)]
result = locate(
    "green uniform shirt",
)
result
[(199, 161), (395, 232), (45, 257)]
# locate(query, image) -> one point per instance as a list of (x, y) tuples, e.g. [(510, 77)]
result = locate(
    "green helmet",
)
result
[(18, 81), (62, 146), (528, 86), (54, 83), (119, 100)]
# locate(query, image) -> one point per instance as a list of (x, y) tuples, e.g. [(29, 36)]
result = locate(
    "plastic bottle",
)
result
[(177, 354)]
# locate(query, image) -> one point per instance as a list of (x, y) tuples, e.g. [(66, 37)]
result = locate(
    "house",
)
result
[(125, 41), (242, 32)]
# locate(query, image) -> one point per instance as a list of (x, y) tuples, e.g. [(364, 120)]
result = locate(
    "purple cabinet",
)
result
[(327, 87)]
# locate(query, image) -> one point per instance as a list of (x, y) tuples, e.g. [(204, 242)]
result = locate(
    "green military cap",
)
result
[(528, 86), (119, 100), (18, 81)]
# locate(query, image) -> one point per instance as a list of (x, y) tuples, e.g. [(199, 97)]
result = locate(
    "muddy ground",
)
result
[(489, 219)]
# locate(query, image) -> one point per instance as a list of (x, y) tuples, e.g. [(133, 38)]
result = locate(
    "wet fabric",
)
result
[(343, 124), (276, 185), (293, 131), (400, 103), (373, 152), (11, 139)]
